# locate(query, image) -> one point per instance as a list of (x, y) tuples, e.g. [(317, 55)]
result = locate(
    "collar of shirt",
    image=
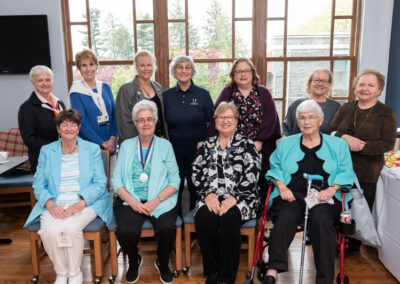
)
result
[(190, 89), (43, 100)]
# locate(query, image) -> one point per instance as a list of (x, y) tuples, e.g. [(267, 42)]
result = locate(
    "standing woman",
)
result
[(36, 115), (94, 101), (319, 87), (188, 109), (139, 89), (258, 119)]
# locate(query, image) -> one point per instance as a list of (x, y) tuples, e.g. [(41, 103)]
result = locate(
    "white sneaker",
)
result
[(77, 279), (61, 279)]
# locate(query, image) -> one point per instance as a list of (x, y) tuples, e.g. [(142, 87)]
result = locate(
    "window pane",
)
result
[(144, 9), (275, 30), (298, 72), (177, 44), (309, 26), (275, 78), (145, 37), (341, 75), (243, 38), (176, 9), (243, 9), (276, 8), (341, 41), (79, 36), (344, 7), (212, 22), (112, 29), (279, 110), (212, 76), (77, 10)]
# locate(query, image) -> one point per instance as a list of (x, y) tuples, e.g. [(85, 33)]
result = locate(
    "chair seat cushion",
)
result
[(16, 181), (94, 226), (189, 219), (146, 225)]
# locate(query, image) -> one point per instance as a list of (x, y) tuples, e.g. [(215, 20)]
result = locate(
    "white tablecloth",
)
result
[(387, 215)]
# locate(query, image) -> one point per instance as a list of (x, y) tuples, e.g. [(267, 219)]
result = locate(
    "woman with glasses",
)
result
[(319, 87), (258, 119), (225, 175), (146, 182), (188, 109)]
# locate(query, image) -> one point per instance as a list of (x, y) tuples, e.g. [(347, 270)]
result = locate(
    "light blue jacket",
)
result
[(92, 179), (164, 172), (334, 152)]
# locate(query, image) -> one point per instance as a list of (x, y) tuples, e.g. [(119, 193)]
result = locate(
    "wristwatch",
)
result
[(159, 198)]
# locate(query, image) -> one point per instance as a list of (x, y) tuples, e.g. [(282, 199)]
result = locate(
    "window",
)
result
[(286, 39)]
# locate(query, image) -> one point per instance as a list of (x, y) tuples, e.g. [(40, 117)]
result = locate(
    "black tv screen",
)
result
[(24, 43)]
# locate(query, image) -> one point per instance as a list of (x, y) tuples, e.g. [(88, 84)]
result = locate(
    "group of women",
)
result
[(225, 152)]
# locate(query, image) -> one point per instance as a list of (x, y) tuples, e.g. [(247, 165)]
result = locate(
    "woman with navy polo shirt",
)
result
[(188, 109), (94, 101)]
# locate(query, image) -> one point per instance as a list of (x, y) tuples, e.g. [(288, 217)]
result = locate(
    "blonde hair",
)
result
[(311, 76), (224, 106), (85, 53), (145, 53)]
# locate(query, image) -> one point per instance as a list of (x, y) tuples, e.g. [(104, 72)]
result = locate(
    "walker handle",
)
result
[(310, 178)]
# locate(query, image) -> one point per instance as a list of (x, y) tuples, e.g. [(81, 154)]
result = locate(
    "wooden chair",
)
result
[(248, 229), (16, 183), (92, 232), (147, 231)]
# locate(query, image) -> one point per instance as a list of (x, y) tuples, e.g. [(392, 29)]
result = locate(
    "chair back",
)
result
[(11, 141)]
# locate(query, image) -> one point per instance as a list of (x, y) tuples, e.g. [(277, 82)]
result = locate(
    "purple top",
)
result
[(258, 119)]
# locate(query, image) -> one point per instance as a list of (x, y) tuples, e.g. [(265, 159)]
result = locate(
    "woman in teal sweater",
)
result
[(313, 153)]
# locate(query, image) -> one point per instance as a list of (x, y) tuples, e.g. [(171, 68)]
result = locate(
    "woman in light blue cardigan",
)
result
[(146, 180), (70, 188)]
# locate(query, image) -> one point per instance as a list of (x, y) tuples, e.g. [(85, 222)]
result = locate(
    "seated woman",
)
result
[(225, 175), (70, 187), (313, 153), (146, 179)]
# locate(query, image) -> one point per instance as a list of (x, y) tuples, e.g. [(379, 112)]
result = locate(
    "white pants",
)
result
[(66, 260)]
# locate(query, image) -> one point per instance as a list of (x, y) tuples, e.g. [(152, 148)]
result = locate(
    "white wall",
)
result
[(376, 27), (15, 89)]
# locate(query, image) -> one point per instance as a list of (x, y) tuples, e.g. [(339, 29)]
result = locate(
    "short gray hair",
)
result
[(178, 60), (39, 69), (309, 106), (144, 105)]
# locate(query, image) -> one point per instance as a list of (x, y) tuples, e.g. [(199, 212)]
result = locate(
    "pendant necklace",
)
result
[(64, 152), (143, 176), (355, 126)]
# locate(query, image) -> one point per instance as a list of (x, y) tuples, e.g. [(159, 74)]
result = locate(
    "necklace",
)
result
[(64, 152), (362, 122), (146, 92)]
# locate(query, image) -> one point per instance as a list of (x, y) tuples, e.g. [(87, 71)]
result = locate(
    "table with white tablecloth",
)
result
[(387, 215)]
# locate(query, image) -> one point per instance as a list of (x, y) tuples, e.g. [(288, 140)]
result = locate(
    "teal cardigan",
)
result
[(334, 152), (92, 179), (164, 172)]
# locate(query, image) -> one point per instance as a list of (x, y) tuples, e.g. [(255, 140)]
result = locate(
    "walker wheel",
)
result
[(176, 273), (112, 278), (185, 270), (34, 279), (248, 275), (345, 279)]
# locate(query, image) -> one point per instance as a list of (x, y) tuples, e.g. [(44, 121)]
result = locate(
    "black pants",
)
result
[(323, 218), (129, 226), (369, 192), (184, 161), (219, 239)]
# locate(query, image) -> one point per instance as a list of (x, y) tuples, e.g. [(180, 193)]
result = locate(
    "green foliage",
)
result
[(122, 75), (145, 37), (97, 41)]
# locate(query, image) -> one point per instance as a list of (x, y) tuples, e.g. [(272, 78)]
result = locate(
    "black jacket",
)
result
[(37, 126)]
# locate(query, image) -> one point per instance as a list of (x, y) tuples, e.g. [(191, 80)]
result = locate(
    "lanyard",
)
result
[(140, 153)]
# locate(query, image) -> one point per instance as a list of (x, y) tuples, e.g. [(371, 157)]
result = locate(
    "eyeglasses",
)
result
[(182, 68), (242, 72), (320, 81), (310, 118), (70, 125), (227, 118), (149, 120)]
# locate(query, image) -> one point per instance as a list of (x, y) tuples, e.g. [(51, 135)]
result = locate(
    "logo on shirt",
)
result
[(194, 102)]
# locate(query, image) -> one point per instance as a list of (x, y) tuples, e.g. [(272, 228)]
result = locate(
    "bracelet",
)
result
[(159, 198)]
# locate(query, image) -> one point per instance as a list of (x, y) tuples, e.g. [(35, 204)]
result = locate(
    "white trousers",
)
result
[(66, 260)]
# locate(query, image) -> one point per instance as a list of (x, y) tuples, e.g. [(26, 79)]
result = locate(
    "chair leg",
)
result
[(251, 237), (113, 254), (98, 255), (35, 254), (187, 246), (178, 249)]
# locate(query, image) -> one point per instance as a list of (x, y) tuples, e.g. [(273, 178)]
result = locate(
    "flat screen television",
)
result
[(24, 43)]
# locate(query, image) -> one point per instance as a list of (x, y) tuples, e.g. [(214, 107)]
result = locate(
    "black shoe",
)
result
[(269, 279), (132, 275), (308, 239), (211, 279), (166, 276)]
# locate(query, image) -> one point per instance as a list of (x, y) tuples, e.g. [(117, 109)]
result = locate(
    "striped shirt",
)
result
[(69, 180)]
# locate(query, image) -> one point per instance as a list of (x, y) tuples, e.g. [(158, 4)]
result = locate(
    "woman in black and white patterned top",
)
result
[(225, 175)]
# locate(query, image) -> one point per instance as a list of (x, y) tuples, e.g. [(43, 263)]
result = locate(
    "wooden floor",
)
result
[(15, 261)]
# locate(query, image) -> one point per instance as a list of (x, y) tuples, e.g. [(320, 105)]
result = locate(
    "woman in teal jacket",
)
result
[(70, 188), (146, 181), (313, 153)]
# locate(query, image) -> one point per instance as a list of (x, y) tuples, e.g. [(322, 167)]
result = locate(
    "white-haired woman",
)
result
[(36, 115), (188, 109), (318, 86), (146, 180), (140, 88), (313, 153)]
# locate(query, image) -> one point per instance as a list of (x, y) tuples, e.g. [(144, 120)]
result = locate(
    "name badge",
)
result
[(232, 148), (102, 119), (64, 241)]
